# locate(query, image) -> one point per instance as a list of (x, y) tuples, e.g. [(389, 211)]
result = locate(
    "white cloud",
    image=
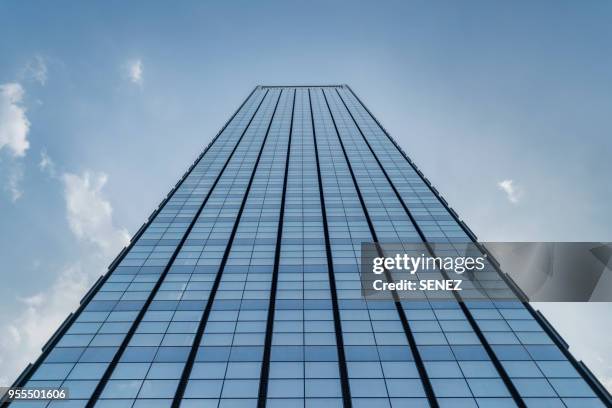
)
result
[(13, 183), (513, 192), (89, 214), (90, 218), (36, 69), (46, 164), (41, 315), (14, 125), (134, 70)]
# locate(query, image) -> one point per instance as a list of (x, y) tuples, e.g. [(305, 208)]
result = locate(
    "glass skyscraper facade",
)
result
[(243, 288)]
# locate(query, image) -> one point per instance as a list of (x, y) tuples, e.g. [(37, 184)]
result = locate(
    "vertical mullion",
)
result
[(204, 319), (346, 391), (265, 366), (492, 356), (109, 370), (407, 330)]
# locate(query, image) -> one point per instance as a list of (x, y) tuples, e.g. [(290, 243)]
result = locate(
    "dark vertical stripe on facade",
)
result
[(409, 335), (346, 389), (498, 365), (24, 377), (265, 364), (109, 370), (180, 391), (593, 382)]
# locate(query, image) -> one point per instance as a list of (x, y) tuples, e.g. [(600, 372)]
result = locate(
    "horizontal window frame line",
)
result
[(265, 363), (27, 373), (425, 381), (344, 380), (182, 385), (109, 370), (496, 362), (586, 374)]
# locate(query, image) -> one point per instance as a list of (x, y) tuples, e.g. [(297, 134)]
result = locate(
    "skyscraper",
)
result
[(243, 288)]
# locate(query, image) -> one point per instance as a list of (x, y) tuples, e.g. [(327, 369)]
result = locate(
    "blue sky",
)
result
[(504, 105)]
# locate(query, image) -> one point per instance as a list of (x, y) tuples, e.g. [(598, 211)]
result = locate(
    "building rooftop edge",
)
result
[(303, 86)]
